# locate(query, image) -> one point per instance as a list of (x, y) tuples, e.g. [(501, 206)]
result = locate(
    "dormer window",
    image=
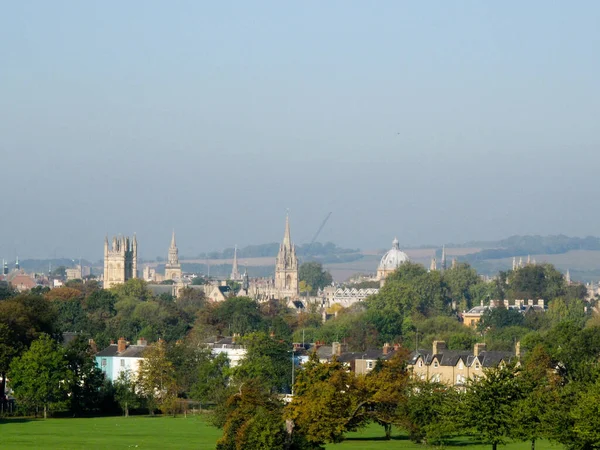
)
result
[(420, 363), (476, 366), (435, 363)]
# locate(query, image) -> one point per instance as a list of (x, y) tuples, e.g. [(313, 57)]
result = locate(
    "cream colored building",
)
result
[(455, 367), (120, 261), (173, 268)]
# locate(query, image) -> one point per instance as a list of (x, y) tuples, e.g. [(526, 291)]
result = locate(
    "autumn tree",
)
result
[(386, 390), (326, 402), (157, 379)]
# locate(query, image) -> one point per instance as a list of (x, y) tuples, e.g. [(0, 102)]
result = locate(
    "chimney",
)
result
[(336, 349), (478, 348), (506, 304), (518, 349), (439, 347), (142, 342), (93, 345), (112, 342), (122, 345), (386, 348), (396, 347), (541, 302)]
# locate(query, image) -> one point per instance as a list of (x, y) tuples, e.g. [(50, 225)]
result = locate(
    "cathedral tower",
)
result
[(286, 266), (120, 261), (173, 268)]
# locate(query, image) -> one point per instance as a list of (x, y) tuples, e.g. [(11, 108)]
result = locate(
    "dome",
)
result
[(393, 258)]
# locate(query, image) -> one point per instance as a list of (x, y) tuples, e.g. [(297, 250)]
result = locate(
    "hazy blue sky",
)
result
[(433, 121)]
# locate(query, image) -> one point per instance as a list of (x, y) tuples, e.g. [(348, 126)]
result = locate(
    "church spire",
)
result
[(173, 243), (235, 274), (443, 257), (287, 240)]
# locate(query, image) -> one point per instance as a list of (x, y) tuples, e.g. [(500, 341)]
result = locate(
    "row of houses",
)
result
[(451, 367)]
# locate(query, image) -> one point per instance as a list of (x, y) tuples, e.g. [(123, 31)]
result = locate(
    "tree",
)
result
[(85, 388), (429, 411), (156, 378), (538, 384), (40, 377), (268, 360), (212, 379), (22, 319), (313, 274), (126, 392), (326, 402), (386, 388), (237, 315), (489, 402), (254, 421)]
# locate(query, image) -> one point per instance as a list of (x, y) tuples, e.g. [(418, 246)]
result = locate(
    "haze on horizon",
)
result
[(434, 122)]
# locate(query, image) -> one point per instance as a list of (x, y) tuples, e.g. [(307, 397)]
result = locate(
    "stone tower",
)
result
[(120, 261), (286, 266), (173, 268)]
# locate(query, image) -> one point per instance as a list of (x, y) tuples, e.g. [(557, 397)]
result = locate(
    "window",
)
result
[(460, 379), (122, 362), (476, 366), (369, 364), (420, 363), (103, 362), (435, 364)]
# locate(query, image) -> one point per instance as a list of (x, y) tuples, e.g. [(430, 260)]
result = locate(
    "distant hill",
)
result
[(530, 245)]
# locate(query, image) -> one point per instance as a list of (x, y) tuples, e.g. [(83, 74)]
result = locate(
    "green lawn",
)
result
[(143, 432)]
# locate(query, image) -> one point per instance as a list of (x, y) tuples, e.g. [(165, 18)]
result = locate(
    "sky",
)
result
[(430, 121)]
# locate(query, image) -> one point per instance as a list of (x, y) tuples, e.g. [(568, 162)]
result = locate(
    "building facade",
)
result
[(120, 261), (121, 357), (173, 268)]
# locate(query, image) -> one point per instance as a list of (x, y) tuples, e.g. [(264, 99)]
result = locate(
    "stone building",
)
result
[(393, 259), (120, 261), (286, 265), (285, 283), (173, 268)]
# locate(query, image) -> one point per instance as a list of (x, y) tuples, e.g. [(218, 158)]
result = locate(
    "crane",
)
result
[(319, 230)]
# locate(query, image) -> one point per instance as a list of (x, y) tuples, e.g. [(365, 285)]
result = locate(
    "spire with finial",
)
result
[(568, 277), (235, 274), (17, 265), (173, 243)]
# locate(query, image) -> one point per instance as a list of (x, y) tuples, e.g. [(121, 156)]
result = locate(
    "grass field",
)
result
[(171, 433)]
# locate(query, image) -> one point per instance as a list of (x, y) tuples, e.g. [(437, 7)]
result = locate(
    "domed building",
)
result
[(393, 259)]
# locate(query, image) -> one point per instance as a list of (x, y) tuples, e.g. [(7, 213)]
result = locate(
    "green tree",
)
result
[(126, 392), (267, 360), (430, 411), (489, 402), (538, 384), (313, 274), (85, 388), (212, 379), (462, 282), (41, 377)]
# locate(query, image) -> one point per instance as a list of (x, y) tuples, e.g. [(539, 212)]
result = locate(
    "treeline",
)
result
[(551, 393), (520, 246)]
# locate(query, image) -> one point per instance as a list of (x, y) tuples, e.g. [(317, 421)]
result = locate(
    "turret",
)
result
[(134, 267)]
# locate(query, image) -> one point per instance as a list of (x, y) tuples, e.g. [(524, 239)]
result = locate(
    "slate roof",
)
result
[(372, 354), (132, 351), (451, 357)]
